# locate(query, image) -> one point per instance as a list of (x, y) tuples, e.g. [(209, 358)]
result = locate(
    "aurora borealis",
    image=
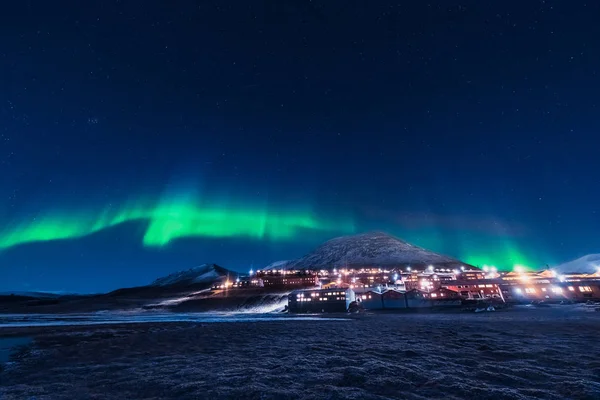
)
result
[(168, 220), (184, 214), (139, 139)]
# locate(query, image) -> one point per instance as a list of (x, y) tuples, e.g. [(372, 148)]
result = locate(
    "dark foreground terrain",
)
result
[(518, 354)]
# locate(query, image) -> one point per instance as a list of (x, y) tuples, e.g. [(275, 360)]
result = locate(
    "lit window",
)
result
[(571, 288), (489, 286), (557, 290), (585, 289), (543, 289), (529, 290), (433, 295)]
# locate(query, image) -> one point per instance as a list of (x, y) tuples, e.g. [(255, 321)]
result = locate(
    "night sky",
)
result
[(142, 137)]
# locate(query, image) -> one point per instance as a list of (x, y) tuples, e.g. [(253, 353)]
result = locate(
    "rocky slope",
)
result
[(371, 250), (589, 264), (202, 274)]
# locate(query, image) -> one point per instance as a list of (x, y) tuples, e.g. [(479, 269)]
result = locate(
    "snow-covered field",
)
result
[(138, 317), (525, 353)]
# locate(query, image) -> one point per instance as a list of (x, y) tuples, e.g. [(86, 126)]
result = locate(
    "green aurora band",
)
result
[(185, 214), (505, 253), (178, 217), (479, 250)]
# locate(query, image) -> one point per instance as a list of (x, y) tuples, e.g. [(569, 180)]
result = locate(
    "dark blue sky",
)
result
[(467, 127)]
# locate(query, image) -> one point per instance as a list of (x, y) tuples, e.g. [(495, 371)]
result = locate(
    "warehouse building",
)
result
[(320, 300)]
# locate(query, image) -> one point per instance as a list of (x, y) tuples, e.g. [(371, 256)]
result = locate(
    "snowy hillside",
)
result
[(371, 249), (284, 264), (41, 295), (589, 264), (205, 273)]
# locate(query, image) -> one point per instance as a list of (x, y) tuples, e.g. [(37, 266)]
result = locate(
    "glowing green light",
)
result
[(505, 257), (172, 218), (479, 250)]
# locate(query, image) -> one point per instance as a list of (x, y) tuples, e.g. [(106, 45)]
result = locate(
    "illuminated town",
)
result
[(419, 287)]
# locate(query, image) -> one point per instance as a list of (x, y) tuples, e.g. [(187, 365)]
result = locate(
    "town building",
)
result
[(320, 300), (240, 283), (552, 290), (392, 299), (475, 289), (526, 286), (369, 298), (288, 279), (375, 287)]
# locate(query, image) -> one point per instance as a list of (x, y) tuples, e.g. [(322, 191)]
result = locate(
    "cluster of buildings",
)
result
[(418, 286), (341, 300)]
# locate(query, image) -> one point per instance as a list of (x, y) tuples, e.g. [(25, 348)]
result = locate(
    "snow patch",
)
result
[(205, 273), (589, 264), (284, 264)]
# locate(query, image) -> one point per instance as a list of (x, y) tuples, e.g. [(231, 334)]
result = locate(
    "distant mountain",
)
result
[(589, 264), (284, 264), (37, 295), (202, 274), (373, 249)]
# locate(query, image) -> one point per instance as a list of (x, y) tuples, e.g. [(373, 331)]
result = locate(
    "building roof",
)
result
[(316, 290)]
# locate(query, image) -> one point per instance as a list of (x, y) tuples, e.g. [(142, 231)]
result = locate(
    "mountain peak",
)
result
[(589, 264), (370, 249), (376, 236), (202, 274), (283, 264)]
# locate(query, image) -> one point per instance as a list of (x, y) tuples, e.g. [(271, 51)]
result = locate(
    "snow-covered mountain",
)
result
[(284, 264), (371, 250), (589, 264), (40, 295), (205, 274)]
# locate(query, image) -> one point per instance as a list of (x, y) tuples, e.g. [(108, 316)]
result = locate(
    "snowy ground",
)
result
[(139, 317), (550, 353)]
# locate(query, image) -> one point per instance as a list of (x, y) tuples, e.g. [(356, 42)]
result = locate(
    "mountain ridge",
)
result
[(201, 274), (371, 249), (588, 264)]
